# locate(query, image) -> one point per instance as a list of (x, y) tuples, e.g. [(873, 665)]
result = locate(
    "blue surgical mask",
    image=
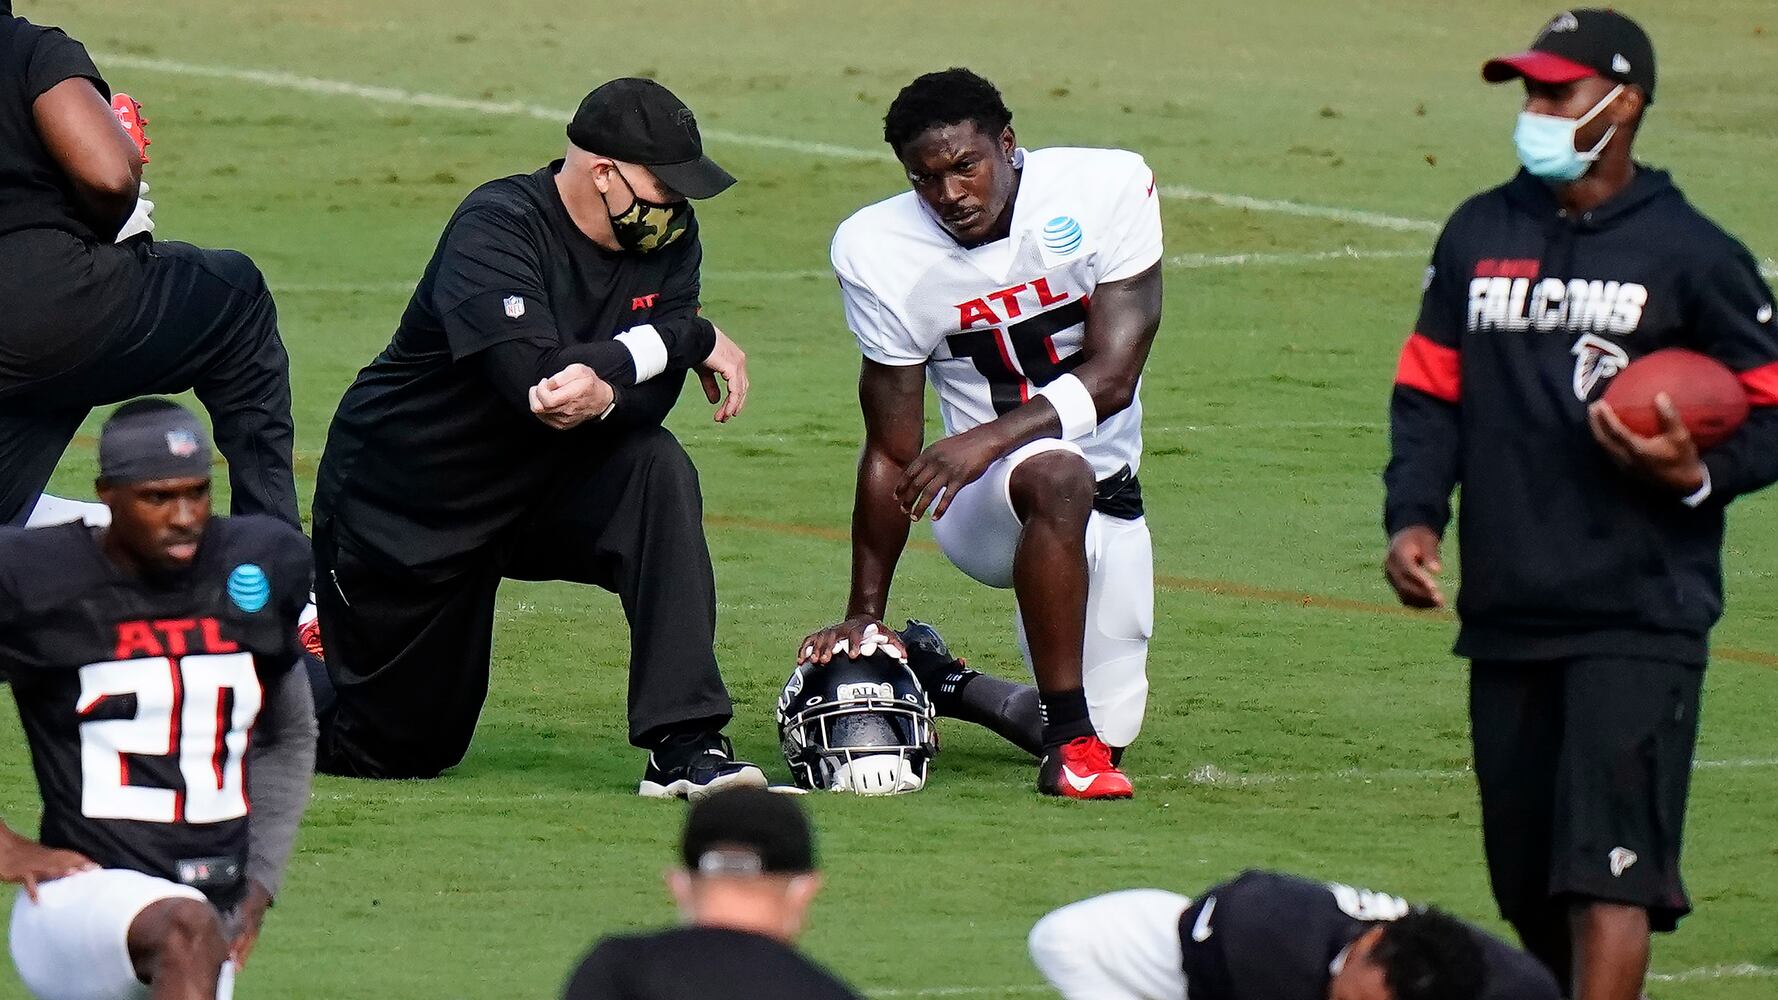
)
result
[(1546, 142)]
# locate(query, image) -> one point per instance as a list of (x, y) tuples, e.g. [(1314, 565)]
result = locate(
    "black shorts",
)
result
[(1584, 766)]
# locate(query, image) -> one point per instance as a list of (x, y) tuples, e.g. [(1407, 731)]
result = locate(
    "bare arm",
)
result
[(894, 402), (1121, 328), (82, 133)]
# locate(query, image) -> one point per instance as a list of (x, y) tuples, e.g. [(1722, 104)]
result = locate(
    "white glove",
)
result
[(142, 219)]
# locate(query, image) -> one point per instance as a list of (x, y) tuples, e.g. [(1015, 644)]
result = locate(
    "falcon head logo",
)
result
[(1620, 859), (1596, 360)]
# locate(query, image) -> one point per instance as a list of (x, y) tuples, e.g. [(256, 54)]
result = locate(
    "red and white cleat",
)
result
[(129, 115), (1082, 769), (308, 632)]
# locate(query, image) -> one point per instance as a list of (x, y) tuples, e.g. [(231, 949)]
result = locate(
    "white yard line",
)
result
[(1213, 776), (1742, 970), (285, 80), (1192, 261)]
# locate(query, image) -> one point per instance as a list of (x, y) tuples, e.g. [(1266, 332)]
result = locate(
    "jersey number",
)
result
[(1033, 340), (180, 711)]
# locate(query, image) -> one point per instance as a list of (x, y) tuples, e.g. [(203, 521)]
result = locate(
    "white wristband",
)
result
[(647, 350), (1074, 405), (1703, 493)]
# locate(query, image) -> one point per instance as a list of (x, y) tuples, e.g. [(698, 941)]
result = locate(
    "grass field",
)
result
[(1298, 721)]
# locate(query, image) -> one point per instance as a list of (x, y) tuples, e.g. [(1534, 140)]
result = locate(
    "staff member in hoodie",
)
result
[(1591, 555)]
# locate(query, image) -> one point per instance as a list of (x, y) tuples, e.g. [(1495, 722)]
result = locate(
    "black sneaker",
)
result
[(693, 769), (940, 673)]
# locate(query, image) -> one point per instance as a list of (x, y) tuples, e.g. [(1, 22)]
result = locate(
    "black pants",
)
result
[(84, 326), (1584, 766), (408, 659)]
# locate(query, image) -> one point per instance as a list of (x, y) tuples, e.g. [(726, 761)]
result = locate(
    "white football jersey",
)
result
[(996, 323)]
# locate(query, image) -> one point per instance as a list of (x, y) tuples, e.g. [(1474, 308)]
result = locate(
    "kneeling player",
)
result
[(1278, 937), (980, 279), (153, 662)]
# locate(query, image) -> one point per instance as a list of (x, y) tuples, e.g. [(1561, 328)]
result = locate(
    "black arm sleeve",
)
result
[(1733, 321), (688, 336), (1425, 433)]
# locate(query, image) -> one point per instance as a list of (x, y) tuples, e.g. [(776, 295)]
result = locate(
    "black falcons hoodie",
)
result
[(1528, 314)]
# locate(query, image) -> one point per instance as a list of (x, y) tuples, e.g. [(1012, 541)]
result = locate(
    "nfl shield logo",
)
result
[(182, 444), (515, 306)]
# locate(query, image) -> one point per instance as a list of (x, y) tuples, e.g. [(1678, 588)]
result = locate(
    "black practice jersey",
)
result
[(1266, 936), (138, 697), (35, 193), (428, 460), (1527, 316), (710, 963)]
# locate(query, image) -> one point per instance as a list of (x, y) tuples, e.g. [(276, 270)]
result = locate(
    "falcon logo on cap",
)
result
[(514, 306), (1619, 64), (182, 443), (1565, 21)]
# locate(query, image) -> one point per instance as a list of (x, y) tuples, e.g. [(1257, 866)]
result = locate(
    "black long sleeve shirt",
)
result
[(434, 451), (1526, 317)]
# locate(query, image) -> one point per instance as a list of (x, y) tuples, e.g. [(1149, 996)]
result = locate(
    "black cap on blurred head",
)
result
[(1577, 44), (748, 831), (639, 121)]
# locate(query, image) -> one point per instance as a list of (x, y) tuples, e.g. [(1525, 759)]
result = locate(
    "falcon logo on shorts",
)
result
[(1621, 859), (249, 588), (182, 444), (1596, 360), (1062, 235), (514, 306)]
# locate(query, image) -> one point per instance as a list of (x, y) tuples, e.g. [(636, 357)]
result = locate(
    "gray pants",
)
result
[(407, 659)]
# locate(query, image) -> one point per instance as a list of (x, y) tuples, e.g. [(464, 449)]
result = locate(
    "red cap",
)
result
[(1544, 67)]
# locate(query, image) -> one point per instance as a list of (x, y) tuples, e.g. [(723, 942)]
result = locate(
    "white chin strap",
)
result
[(877, 774)]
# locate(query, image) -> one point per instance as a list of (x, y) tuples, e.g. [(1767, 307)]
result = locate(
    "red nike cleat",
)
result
[(129, 115), (309, 634), (1082, 769)]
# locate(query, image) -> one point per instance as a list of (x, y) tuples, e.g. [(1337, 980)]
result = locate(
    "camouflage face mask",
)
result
[(647, 226)]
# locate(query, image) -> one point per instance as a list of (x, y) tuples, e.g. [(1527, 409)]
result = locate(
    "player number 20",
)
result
[(179, 710)]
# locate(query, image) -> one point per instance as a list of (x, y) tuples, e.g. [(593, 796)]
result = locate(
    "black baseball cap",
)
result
[(1577, 44), (640, 121), (748, 831)]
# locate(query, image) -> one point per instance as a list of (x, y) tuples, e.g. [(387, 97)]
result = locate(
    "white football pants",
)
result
[(73, 943), (979, 534), (1119, 946)]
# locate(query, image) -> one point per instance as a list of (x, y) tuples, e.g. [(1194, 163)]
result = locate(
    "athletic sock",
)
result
[(1065, 716)]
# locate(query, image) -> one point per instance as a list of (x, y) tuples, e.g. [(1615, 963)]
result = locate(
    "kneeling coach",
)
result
[(512, 430)]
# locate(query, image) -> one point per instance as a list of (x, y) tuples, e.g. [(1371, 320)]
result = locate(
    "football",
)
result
[(1710, 398)]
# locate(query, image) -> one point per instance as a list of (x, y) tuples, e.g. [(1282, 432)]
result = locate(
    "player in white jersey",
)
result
[(1026, 285)]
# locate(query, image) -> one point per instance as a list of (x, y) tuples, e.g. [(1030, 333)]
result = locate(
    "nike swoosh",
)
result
[(1080, 784), (1201, 929)]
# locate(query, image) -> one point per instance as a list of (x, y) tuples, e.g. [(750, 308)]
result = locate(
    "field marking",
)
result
[(1739, 970), (1211, 776), (521, 109), (1196, 585), (286, 80), (1182, 262)]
